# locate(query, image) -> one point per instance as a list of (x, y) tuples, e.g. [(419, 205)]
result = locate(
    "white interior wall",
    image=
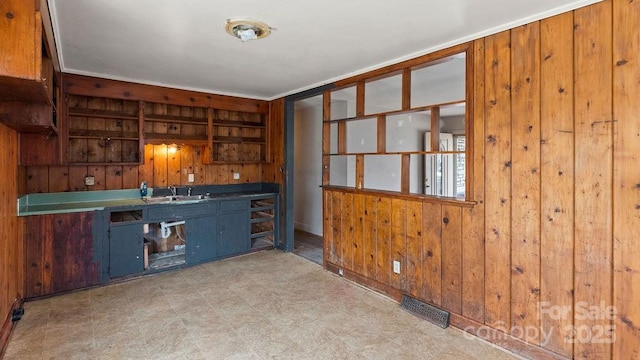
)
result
[(308, 169)]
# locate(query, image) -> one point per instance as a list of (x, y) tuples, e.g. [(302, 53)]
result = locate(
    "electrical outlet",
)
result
[(396, 267), (192, 178), (236, 176), (89, 180), (340, 272)]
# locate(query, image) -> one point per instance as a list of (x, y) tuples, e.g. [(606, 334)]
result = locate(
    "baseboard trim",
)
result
[(7, 327)]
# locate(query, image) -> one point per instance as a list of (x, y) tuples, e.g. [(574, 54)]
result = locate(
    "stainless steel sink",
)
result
[(176, 199)]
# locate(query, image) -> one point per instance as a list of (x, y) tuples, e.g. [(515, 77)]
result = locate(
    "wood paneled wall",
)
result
[(11, 245), (556, 223), (161, 168)]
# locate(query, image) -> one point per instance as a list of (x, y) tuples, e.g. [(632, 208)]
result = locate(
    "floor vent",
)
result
[(425, 311)]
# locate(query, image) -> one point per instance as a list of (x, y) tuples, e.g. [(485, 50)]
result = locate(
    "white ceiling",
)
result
[(183, 43)]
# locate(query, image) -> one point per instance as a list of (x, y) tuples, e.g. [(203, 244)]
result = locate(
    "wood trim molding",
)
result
[(91, 86)]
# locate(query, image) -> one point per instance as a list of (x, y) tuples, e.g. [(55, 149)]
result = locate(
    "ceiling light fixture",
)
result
[(246, 30)]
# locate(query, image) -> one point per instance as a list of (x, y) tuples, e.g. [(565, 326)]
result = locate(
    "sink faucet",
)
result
[(189, 192), (174, 190)]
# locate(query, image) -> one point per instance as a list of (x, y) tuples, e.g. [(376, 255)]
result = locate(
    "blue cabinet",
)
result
[(125, 250), (201, 243), (233, 233)]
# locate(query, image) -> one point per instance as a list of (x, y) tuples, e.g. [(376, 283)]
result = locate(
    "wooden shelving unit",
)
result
[(166, 124), (103, 131), (238, 137), (262, 222)]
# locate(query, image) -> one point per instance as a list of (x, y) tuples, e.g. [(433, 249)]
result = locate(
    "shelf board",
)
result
[(239, 162), (262, 234), (244, 124), (176, 119), (237, 140), (157, 139), (102, 134), (96, 113), (105, 163), (400, 153)]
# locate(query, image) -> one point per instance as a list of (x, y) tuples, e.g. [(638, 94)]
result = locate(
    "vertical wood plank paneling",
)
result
[(100, 175), (593, 170), (76, 178), (160, 174), (223, 172), (173, 167), (346, 241), (452, 258), (626, 178), (399, 242), (198, 165), (556, 198), (415, 256), (498, 179), (113, 179), (432, 250), (358, 233), (146, 170), (335, 251), (525, 185), (370, 236), (58, 178), (37, 179), (327, 231), (130, 177), (12, 257), (186, 164), (473, 218), (383, 245)]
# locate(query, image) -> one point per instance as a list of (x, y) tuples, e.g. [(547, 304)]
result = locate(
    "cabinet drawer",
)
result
[(234, 205), (180, 211)]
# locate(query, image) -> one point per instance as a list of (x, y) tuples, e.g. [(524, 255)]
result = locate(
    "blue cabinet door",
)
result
[(125, 250), (201, 240), (233, 233)]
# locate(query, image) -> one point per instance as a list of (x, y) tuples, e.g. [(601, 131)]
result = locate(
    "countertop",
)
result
[(80, 201)]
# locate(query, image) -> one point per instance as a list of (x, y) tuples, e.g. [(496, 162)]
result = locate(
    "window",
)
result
[(404, 131)]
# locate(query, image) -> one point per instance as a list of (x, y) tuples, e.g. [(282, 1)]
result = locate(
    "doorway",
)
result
[(303, 174), (307, 178)]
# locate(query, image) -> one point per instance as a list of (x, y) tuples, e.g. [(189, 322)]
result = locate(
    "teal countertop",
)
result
[(65, 202), (79, 201)]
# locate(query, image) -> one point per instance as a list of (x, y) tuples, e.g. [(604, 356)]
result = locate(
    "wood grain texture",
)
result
[(91, 86), (414, 254), (452, 258), (11, 244), (383, 245), (346, 231), (497, 139), (473, 250), (398, 243), (557, 173), (20, 40), (525, 181), (432, 250), (626, 179), (370, 238), (593, 171), (358, 251)]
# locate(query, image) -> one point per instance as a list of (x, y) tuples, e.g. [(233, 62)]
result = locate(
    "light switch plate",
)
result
[(192, 178), (236, 176), (89, 180)]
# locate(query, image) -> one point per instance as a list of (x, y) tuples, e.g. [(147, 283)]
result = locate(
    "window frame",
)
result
[(405, 69)]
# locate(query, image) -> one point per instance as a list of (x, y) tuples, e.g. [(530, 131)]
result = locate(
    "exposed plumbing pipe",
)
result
[(165, 227)]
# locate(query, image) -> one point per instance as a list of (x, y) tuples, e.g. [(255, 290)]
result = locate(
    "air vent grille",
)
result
[(423, 310)]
